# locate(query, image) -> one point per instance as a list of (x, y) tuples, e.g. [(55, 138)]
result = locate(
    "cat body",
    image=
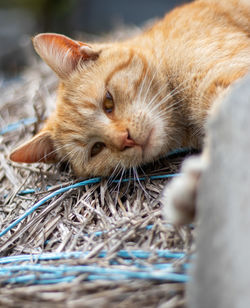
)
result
[(127, 103)]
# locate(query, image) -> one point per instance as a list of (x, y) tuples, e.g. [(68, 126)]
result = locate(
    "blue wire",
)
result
[(27, 191), (65, 269), (145, 255), (16, 125), (116, 276), (64, 189), (53, 274), (45, 199), (139, 254), (153, 177)]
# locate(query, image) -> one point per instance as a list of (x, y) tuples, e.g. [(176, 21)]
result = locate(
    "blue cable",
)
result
[(54, 274), (45, 199), (51, 274), (152, 177), (139, 254), (98, 275), (16, 125), (76, 185)]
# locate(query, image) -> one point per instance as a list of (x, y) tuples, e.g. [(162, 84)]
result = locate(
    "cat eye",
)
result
[(108, 103), (97, 148)]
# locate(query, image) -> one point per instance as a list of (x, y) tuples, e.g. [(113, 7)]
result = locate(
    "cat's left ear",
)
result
[(61, 53), (39, 149)]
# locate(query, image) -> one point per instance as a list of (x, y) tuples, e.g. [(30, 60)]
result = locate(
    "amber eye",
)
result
[(97, 148), (108, 103)]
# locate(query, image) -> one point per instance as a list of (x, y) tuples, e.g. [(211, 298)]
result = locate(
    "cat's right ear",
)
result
[(61, 53)]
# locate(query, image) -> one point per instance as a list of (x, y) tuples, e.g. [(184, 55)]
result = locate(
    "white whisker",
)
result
[(119, 185), (138, 180)]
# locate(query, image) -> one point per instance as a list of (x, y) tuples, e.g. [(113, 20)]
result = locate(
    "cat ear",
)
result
[(39, 149), (61, 53)]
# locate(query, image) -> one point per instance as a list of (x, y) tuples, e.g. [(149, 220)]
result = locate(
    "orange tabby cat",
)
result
[(128, 103)]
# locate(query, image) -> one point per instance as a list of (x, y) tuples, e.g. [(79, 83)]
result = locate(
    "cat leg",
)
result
[(179, 196)]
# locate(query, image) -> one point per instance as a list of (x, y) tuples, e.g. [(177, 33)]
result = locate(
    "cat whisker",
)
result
[(71, 154), (143, 84), (52, 152), (171, 93), (151, 81), (114, 173), (128, 183), (175, 105), (119, 185), (166, 98), (63, 158), (119, 174), (198, 132), (143, 172), (159, 104), (146, 87), (138, 180), (164, 112), (156, 96)]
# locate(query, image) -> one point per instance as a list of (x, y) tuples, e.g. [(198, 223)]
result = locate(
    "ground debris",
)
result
[(97, 217)]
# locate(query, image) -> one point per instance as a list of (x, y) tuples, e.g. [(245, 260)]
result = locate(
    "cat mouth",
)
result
[(142, 151), (145, 147)]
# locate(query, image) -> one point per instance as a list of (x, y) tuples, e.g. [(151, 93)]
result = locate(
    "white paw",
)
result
[(179, 196)]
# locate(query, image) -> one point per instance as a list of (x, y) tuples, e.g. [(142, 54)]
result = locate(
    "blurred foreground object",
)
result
[(221, 272)]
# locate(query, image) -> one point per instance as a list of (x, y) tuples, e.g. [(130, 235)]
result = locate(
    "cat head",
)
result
[(110, 108)]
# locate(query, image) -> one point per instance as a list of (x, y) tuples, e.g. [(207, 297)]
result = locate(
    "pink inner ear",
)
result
[(65, 44), (61, 53), (38, 149)]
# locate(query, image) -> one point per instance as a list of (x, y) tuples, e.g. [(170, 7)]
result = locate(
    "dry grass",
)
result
[(68, 222)]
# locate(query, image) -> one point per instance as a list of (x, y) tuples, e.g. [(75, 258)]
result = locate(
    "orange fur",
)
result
[(163, 83)]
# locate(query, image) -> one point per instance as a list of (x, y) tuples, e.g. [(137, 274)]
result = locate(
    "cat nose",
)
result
[(126, 141)]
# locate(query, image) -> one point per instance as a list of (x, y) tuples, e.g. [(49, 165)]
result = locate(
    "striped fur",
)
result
[(164, 83)]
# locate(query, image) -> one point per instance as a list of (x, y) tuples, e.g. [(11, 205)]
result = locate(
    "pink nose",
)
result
[(126, 141)]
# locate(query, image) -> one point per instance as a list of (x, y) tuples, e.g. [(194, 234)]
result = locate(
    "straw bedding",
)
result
[(106, 216)]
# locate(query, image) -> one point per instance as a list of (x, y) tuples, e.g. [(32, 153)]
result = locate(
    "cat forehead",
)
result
[(118, 70), (126, 61), (112, 62)]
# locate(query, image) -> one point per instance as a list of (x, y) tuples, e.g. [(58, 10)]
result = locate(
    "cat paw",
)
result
[(179, 196)]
